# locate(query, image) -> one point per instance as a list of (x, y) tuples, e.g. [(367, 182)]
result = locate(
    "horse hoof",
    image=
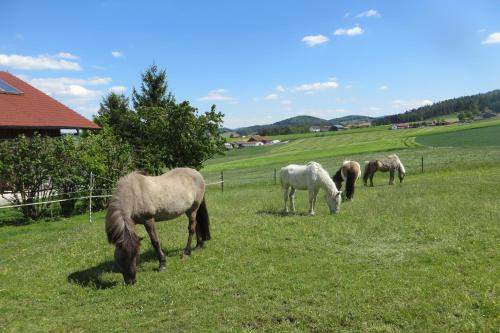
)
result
[(200, 246), (161, 269), (185, 255)]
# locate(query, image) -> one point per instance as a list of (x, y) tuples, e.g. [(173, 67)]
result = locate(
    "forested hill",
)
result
[(297, 124), (474, 103)]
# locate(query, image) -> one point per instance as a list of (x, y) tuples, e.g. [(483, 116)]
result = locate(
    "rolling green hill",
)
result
[(474, 103)]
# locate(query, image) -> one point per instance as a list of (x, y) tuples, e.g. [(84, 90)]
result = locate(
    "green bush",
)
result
[(39, 169)]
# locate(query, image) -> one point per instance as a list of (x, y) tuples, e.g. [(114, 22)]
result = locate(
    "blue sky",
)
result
[(258, 61)]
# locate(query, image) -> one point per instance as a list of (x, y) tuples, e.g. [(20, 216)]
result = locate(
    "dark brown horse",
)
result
[(140, 199), (391, 164), (350, 171)]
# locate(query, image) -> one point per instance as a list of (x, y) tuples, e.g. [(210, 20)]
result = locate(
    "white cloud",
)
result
[(349, 32), (216, 95), (117, 54), (493, 38), (120, 90), (317, 86), (71, 89), (40, 62), (271, 97), (66, 55), (314, 40), (285, 102), (383, 87), (369, 13), (410, 103), (280, 88)]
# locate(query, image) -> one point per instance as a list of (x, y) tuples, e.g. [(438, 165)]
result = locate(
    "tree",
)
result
[(114, 112), (154, 89), (26, 166), (170, 134)]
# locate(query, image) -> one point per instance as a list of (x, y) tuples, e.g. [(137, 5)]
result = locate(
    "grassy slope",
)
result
[(305, 147), (418, 257), (476, 137)]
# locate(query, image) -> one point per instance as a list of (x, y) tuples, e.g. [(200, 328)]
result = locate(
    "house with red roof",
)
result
[(26, 110)]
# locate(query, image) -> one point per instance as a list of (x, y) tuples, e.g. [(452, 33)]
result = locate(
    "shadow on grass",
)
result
[(280, 213), (91, 277)]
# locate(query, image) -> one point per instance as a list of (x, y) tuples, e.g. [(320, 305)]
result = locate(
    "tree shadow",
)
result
[(91, 277)]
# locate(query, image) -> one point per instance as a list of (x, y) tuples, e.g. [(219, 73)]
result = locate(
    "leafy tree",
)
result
[(170, 134), (26, 166), (108, 157), (69, 177), (114, 112)]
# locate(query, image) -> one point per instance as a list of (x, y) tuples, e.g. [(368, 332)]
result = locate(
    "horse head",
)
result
[(334, 200), (127, 259)]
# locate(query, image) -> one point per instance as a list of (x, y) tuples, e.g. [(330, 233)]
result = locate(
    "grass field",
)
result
[(422, 256), (475, 137)]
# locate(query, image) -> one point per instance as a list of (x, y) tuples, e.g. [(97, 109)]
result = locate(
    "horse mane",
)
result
[(324, 178), (120, 227)]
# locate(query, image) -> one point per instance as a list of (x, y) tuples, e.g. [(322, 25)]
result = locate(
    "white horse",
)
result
[(310, 177)]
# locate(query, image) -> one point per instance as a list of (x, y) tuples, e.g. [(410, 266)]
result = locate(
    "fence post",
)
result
[(90, 195), (274, 176), (222, 180), (422, 163)]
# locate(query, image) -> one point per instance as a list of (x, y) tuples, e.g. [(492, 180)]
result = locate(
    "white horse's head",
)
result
[(334, 200)]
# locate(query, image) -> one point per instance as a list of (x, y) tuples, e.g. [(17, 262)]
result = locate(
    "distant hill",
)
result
[(349, 119), (302, 121), (298, 123), (475, 103)]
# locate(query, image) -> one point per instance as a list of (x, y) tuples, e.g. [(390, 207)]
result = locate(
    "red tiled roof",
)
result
[(34, 109)]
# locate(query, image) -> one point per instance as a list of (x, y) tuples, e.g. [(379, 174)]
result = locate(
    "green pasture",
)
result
[(418, 257), (474, 137)]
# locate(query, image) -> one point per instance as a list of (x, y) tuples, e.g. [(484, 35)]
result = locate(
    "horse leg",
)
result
[(199, 240), (285, 197), (312, 201), (150, 228), (292, 198), (191, 231), (371, 179), (391, 177)]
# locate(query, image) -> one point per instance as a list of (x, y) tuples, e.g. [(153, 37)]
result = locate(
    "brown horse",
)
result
[(391, 164), (141, 199), (350, 171)]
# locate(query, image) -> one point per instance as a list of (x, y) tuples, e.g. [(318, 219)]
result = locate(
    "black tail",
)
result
[(349, 184), (203, 221), (337, 179)]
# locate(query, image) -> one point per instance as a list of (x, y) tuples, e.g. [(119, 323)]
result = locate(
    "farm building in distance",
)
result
[(253, 141), (26, 110)]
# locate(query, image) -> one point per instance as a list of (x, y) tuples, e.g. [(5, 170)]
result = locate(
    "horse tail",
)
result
[(120, 230), (337, 179), (203, 221), (349, 184)]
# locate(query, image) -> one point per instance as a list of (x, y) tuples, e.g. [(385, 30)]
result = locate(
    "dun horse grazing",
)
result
[(141, 199), (310, 177), (350, 171), (391, 164)]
